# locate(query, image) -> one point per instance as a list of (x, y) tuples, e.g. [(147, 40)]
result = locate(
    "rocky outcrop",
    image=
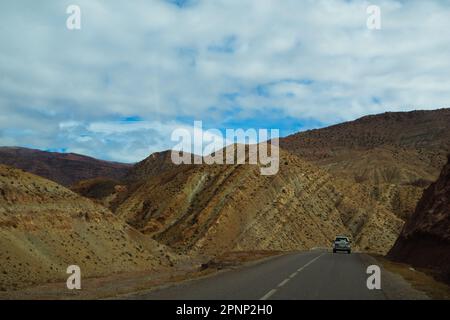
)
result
[(425, 238)]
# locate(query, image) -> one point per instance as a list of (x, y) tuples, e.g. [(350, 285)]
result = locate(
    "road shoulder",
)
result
[(402, 282), (123, 284)]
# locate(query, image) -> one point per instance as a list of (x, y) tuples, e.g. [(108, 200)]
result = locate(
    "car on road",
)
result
[(342, 243)]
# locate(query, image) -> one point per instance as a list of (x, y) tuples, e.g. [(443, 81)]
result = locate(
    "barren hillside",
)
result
[(45, 227), (219, 208), (394, 155), (362, 178), (153, 165)]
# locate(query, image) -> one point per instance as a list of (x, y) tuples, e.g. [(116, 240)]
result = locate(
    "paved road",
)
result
[(307, 275)]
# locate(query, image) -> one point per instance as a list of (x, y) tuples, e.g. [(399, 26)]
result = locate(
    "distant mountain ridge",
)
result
[(395, 155), (64, 168), (422, 133)]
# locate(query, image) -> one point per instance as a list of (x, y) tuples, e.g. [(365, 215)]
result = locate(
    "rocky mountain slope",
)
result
[(219, 208), (45, 227), (151, 166), (394, 155), (112, 192), (63, 168), (425, 238), (363, 178)]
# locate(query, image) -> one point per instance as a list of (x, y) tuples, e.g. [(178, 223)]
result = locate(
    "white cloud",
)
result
[(171, 65)]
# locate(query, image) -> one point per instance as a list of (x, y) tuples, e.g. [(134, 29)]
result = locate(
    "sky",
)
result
[(137, 70)]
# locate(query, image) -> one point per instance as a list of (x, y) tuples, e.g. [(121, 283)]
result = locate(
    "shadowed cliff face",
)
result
[(64, 168), (425, 238)]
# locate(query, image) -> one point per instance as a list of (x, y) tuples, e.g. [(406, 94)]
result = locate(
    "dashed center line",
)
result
[(282, 283), (269, 294)]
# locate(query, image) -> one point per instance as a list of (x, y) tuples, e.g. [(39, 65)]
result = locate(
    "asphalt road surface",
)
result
[(307, 275)]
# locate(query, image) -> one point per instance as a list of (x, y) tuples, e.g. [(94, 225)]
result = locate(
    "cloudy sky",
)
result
[(137, 70)]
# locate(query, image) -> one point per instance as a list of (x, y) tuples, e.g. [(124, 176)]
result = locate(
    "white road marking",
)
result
[(283, 282), (300, 269), (269, 294), (272, 292)]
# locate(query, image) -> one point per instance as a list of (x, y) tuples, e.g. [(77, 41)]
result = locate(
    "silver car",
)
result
[(342, 243)]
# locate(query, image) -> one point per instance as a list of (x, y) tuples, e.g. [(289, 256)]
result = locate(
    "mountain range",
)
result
[(63, 168), (362, 178)]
